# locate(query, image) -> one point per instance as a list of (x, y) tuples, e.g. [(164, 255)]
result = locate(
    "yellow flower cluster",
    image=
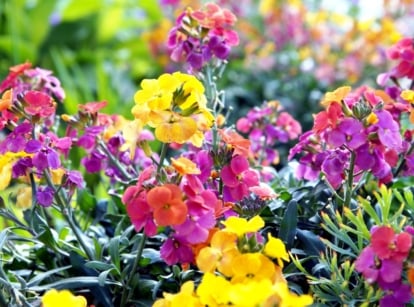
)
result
[(175, 105), (239, 270)]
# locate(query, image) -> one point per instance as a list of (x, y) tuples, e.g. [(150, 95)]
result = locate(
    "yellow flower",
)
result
[(336, 96), (185, 166), (63, 298), (290, 299), (220, 254), (214, 290), (251, 293), (253, 266), (175, 105), (275, 248), (6, 164), (372, 118), (408, 95), (186, 297), (241, 226), (24, 197)]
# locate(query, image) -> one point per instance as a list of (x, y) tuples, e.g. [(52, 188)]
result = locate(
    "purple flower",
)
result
[(94, 162), (350, 132), (44, 196), (74, 179), (388, 130), (334, 167)]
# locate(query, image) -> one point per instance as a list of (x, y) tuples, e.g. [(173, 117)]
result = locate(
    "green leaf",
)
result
[(113, 250), (312, 244), (77, 282), (41, 276), (289, 224), (104, 276), (99, 265), (86, 200)]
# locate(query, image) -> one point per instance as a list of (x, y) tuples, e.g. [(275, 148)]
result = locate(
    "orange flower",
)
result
[(240, 144), (185, 166), (169, 208), (6, 100)]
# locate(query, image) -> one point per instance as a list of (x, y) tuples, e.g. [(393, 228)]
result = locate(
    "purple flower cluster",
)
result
[(23, 77), (201, 35), (357, 132), (382, 262), (267, 126)]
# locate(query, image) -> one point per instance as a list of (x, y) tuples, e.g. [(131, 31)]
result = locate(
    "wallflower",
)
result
[(238, 178), (6, 164), (214, 290), (186, 297), (219, 254), (275, 248), (39, 104), (63, 298), (173, 104), (241, 226), (6, 100), (388, 245), (252, 266), (169, 208)]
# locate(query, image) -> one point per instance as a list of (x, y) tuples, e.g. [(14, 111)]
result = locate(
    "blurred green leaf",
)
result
[(39, 277), (77, 9)]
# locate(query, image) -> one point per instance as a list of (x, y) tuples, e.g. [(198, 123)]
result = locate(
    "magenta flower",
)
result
[(366, 265), (196, 228), (176, 250), (237, 178)]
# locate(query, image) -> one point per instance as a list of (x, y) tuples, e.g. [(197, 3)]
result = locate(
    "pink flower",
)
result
[(39, 104), (238, 178), (388, 245), (176, 250)]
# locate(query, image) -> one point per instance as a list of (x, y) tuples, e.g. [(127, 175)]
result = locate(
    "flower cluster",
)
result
[(175, 105), (31, 151), (267, 126), (357, 132), (201, 35), (239, 268), (382, 262)]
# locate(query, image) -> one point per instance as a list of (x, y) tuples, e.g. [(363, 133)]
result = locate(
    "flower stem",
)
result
[(350, 182), (114, 161), (402, 161), (126, 294), (68, 215), (163, 154)]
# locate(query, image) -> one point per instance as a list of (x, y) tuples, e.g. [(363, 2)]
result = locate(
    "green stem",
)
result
[(163, 154), (114, 161), (350, 182), (126, 294), (67, 214)]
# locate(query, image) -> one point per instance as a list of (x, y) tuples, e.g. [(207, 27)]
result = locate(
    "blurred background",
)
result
[(292, 51)]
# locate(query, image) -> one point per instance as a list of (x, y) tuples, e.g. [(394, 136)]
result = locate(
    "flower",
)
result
[(219, 254), (275, 248), (63, 298), (39, 104), (167, 204), (185, 297), (238, 178), (252, 266), (388, 245), (241, 226), (175, 105), (185, 166)]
